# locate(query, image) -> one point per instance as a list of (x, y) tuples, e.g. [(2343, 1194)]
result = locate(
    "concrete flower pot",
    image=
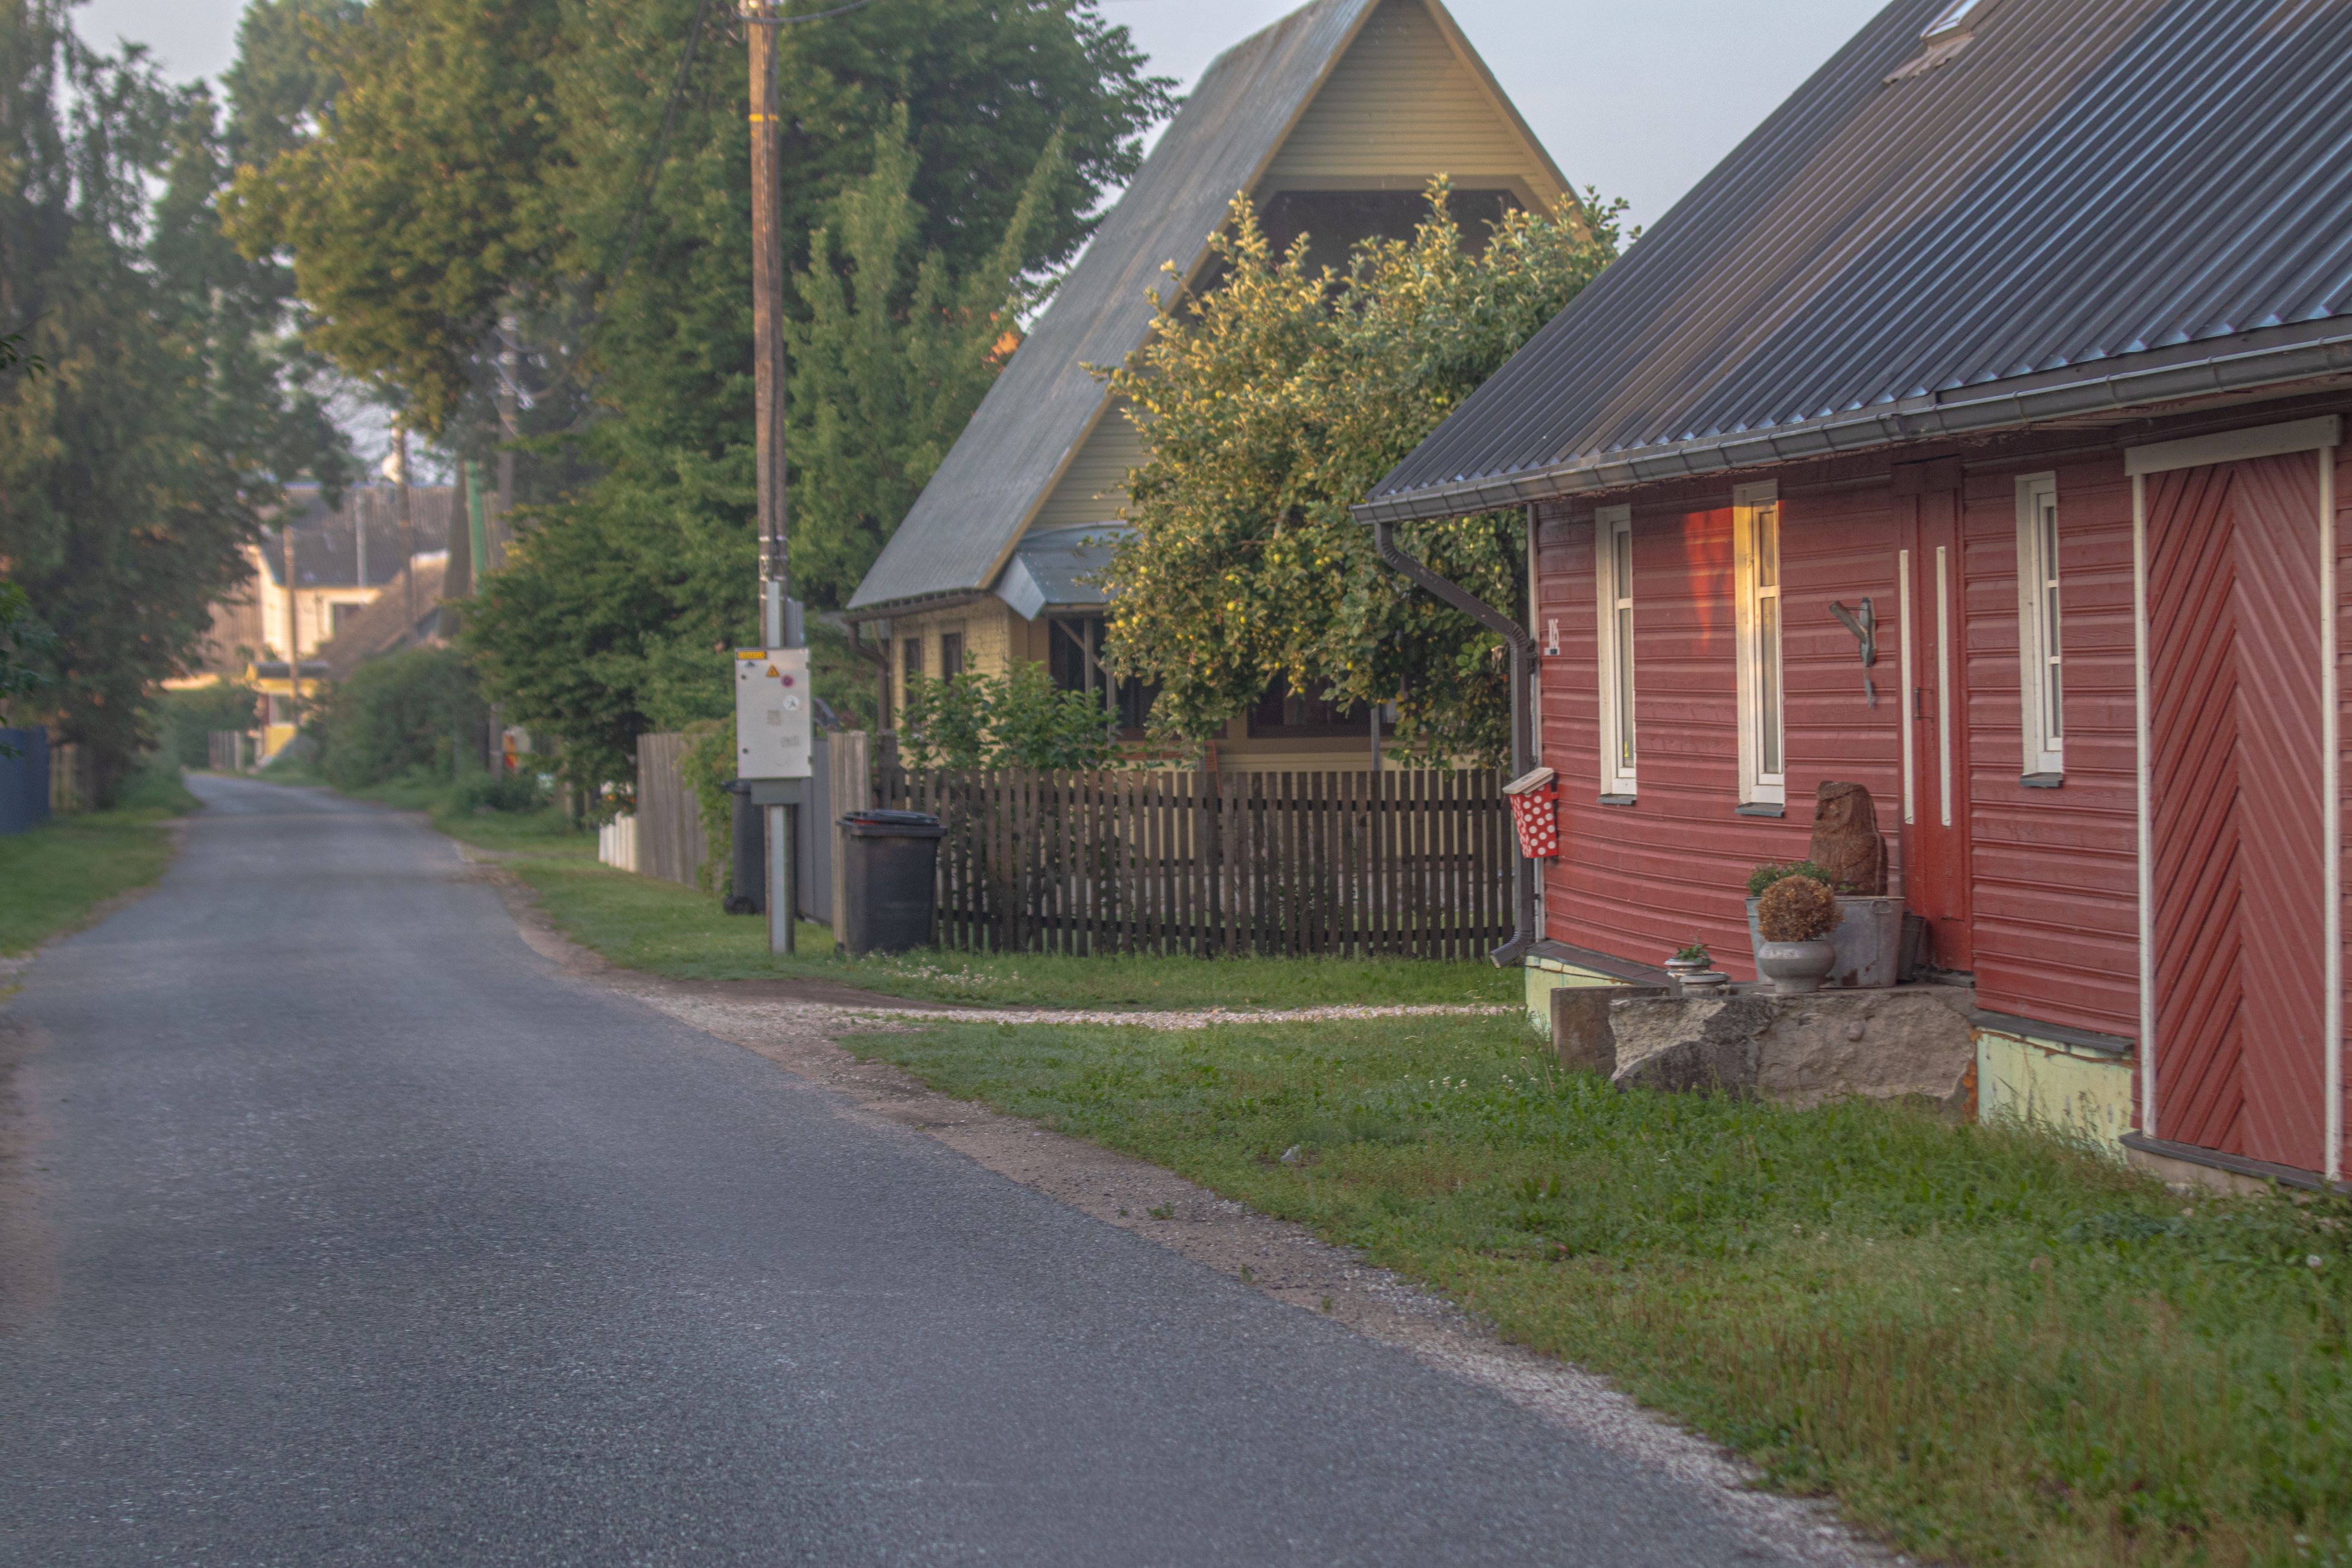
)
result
[(1868, 939), (1794, 967)]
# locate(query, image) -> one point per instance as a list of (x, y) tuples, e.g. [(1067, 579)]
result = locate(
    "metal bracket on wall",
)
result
[(1864, 627)]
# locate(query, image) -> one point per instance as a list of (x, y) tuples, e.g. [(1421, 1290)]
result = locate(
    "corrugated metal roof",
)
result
[(1054, 566), (2090, 203), (970, 515), (327, 543)]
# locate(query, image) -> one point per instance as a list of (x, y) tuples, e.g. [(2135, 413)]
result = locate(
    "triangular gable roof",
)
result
[(971, 513), (2087, 205)]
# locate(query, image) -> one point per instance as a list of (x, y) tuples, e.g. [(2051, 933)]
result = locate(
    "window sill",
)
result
[(1617, 800), (1763, 808), (2042, 780)]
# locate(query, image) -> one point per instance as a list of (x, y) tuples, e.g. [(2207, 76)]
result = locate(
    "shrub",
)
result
[(399, 714), (515, 792), (185, 719), (1765, 876), (1797, 909), (1020, 720)]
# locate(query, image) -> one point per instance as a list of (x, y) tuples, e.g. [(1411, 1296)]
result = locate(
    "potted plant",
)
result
[(1692, 972), (1691, 960), (1868, 935), (1794, 917)]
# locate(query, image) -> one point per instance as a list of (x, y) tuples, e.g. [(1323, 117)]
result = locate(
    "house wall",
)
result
[(1403, 104), (1093, 488), (2052, 875)]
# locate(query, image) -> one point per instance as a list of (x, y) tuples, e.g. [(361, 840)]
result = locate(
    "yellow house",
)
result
[(1333, 120), (283, 693)]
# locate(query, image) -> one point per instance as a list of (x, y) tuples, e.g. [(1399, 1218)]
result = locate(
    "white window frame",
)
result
[(1762, 687), (1612, 597), (2040, 639)]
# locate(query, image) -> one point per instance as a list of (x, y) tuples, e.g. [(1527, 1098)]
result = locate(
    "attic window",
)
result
[(1950, 20)]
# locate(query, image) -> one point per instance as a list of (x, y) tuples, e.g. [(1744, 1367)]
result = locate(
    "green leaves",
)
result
[(1268, 406), (1020, 720)]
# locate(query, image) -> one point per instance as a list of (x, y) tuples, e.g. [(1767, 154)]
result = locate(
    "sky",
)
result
[(1637, 97)]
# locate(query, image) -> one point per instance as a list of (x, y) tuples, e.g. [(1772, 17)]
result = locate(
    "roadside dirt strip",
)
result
[(795, 1025)]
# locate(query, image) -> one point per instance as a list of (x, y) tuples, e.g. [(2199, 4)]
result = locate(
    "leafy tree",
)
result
[(187, 718), (415, 711), (1271, 404), (132, 472), (590, 177)]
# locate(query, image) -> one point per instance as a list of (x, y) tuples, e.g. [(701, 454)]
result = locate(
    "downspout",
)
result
[(1523, 741)]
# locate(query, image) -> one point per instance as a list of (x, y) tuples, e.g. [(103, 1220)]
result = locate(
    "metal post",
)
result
[(408, 537), (769, 428)]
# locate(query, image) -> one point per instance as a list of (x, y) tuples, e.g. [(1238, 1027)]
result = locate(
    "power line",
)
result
[(809, 16)]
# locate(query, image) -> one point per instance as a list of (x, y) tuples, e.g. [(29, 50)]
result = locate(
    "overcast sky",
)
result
[(1636, 97)]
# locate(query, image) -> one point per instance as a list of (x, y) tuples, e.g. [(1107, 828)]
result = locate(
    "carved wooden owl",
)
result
[(1846, 842)]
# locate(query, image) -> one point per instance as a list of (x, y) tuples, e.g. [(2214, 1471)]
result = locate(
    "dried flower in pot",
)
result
[(1794, 915)]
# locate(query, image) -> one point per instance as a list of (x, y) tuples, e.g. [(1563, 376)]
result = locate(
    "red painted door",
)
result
[(2236, 776), (1935, 730)]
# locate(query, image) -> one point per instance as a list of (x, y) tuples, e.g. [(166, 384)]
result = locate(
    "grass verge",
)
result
[(1990, 1347), (660, 928), (53, 877)]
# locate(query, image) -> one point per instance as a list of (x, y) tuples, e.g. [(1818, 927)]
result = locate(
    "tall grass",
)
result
[(1990, 1347)]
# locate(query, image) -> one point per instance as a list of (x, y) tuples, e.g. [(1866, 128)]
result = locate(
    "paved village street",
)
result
[(344, 1229)]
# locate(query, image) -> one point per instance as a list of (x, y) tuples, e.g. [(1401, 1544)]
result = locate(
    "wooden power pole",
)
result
[(769, 427)]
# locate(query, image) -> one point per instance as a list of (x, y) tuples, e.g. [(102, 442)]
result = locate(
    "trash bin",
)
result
[(889, 879)]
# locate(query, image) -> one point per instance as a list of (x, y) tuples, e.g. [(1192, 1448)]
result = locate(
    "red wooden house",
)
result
[(2027, 324)]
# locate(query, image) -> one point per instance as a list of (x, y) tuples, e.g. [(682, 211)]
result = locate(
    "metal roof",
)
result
[(1060, 567), (2074, 207), (327, 544), (1041, 407)]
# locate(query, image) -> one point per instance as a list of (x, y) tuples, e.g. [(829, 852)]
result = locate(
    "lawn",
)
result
[(1992, 1348), (658, 927), (53, 877)]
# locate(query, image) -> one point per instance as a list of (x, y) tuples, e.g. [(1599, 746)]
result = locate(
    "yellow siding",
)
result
[(1093, 488), (1400, 107), (989, 630)]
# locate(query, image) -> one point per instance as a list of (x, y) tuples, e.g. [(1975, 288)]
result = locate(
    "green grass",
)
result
[(1991, 1347), (658, 927), (51, 878)]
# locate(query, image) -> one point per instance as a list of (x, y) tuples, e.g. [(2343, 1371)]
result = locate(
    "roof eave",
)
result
[(1968, 410)]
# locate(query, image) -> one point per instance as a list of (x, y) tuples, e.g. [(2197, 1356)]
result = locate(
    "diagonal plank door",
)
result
[(2237, 778)]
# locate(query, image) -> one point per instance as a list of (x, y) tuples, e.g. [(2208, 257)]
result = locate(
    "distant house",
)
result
[(1333, 120), (344, 558), (2027, 325)]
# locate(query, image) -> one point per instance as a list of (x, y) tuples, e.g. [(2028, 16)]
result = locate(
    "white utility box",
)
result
[(774, 714)]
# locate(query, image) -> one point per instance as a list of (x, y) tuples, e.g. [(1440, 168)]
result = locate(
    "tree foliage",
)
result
[(589, 178), (420, 710), (1272, 403), (133, 470), (1021, 719)]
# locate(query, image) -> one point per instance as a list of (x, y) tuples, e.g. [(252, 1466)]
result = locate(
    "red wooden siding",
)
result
[(2343, 525), (2054, 889), (1640, 881), (2236, 789)]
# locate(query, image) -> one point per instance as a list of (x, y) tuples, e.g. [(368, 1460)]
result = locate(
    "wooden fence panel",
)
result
[(1398, 863)]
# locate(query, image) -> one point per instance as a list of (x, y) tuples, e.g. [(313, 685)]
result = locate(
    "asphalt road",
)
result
[(358, 1234)]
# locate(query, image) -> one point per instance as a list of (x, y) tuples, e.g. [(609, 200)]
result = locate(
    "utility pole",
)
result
[(769, 429), (293, 636), (407, 532)]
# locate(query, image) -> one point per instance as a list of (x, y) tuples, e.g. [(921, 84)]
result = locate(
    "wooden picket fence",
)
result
[(1406, 864)]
